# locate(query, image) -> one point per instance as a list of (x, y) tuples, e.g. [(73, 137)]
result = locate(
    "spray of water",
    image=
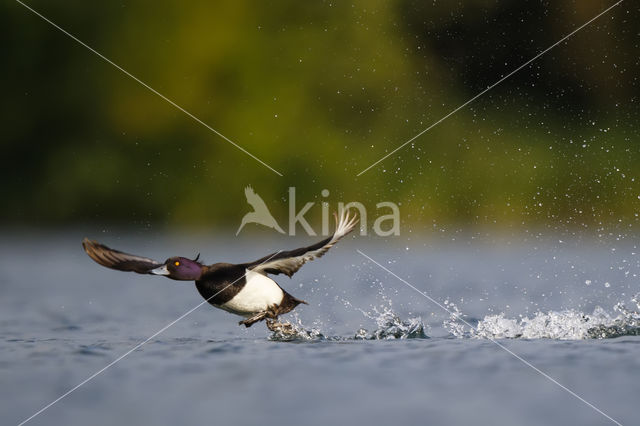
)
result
[(569, 324)]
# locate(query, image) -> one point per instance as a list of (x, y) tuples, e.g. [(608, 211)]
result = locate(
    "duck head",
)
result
[(180, 268)]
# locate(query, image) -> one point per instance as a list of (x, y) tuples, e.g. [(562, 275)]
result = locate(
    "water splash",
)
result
[(627, 323), (390, 326), (297, 332), (454, 323), (568, 324)]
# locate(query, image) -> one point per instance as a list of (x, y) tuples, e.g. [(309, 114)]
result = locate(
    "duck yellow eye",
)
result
[(177, 263)]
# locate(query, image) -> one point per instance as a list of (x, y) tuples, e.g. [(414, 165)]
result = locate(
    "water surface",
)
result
[(370, 349)]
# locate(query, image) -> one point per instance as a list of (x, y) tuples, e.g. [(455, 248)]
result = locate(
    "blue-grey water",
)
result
[(370, 350)]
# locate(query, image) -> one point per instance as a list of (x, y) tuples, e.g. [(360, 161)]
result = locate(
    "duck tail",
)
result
[(289, 303)]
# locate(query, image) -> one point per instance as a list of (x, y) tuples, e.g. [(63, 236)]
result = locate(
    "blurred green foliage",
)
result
[(319, 91)]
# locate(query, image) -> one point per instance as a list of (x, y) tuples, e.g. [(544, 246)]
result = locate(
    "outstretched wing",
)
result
[(289, 262), (255, 200), (115, 259)]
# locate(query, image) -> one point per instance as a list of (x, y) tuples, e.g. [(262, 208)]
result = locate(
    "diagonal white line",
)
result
[(150, 88), (500, 345), (139, 345), (491, 87)]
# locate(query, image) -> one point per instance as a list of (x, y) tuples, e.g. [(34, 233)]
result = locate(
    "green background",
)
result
[(319, 91)]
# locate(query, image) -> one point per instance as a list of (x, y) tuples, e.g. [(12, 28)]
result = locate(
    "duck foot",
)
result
[(280, 327), (254, 319)]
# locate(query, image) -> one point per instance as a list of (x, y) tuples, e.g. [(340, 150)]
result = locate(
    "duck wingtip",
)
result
[(87, 243)]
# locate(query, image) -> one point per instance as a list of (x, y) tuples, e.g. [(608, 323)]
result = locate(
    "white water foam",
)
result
[(390, 326), (569, 324), (296, 331)]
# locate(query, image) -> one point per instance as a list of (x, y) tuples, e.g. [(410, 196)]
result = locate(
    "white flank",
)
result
[(258, 294)]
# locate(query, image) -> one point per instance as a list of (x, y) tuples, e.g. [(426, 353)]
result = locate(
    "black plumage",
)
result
[(244, 288)]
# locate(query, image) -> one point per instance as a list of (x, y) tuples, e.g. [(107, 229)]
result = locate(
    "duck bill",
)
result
[(160, 271)]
